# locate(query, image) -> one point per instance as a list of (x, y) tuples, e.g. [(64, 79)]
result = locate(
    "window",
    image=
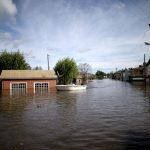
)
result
[(40, 87), (18, 88), (18, 85)]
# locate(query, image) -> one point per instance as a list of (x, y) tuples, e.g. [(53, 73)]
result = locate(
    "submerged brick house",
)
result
[(27, 79)]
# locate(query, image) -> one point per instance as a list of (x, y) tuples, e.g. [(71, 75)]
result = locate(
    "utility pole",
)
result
[(144, 65), (48, 61)]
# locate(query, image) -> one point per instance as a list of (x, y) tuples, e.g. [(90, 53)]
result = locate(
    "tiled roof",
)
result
[(28, 74)]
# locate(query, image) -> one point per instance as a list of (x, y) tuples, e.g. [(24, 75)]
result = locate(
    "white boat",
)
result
[(70, 87)]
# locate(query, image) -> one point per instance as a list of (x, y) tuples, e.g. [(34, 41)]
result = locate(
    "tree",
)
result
[(13, 61), (100, 74), (110, 75), (84, 69), (66, 70)]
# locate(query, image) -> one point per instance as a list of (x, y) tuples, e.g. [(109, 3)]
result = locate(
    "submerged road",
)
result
[(109, 115)]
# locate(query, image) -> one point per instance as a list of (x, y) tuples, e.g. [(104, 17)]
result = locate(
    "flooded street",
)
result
[(109, 115)]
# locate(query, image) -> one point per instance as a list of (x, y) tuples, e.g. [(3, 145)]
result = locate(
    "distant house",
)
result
[(139, 71), (79, 80), (126, 73), (117, 75), (27, 79), (148, 70)]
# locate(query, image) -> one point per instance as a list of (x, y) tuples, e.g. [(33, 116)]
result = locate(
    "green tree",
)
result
[(110, 75), (100, 74), (13, 61), (66, 70)]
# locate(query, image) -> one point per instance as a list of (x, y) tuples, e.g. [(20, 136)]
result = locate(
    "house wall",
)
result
[(30, 83), (148, 70), (138, 71), (79, 81)]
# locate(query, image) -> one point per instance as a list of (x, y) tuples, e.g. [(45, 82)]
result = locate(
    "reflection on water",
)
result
[(21, 92), (109, 115), (18, 91)]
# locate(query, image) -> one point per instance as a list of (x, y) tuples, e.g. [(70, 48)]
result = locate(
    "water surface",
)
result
[(109, 115)]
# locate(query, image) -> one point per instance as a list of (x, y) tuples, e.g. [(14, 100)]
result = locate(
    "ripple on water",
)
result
[(109, 115)]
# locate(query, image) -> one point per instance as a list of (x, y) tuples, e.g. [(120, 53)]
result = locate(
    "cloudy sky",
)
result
[(107, 34)]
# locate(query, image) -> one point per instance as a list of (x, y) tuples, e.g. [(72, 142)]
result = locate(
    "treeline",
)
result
[(14, 61), (66, 69), (100, 74)]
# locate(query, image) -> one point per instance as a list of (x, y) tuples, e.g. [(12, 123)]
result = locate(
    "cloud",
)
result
[(9, 42), (101, 33), (7, 7), (84, 50), (5, 35), (6, 40)]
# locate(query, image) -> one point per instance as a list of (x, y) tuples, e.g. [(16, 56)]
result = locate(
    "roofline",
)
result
[(28, 78)]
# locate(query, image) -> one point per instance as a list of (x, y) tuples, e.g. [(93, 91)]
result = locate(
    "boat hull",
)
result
[(70, 87)]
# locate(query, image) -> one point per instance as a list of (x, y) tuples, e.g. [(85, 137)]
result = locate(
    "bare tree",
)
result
[(84, 69)]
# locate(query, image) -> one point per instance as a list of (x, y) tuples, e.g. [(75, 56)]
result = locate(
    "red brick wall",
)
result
[(30, 83), (5, 85)]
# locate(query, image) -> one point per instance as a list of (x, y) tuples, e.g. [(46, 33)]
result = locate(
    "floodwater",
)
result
[(109, 115)]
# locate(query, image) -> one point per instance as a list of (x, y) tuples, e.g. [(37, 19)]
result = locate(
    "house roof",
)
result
[(28, 74)]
